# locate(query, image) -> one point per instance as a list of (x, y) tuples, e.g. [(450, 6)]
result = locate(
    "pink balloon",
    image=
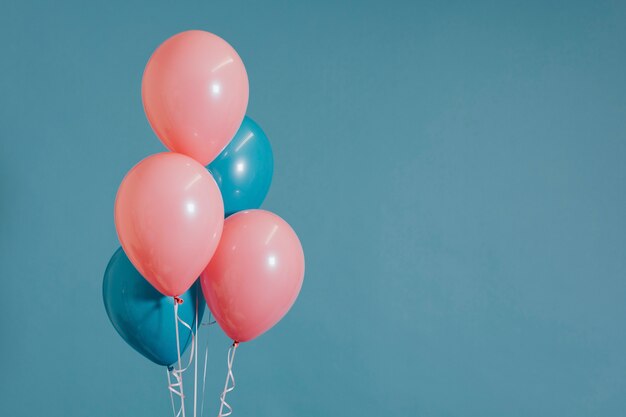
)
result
[(195, 94), (169, 216), (255, 275)]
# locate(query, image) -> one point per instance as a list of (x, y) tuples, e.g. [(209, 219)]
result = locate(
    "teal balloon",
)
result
[(143, 316), (244, 169)]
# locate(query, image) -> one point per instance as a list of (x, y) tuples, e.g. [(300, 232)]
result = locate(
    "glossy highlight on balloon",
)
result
[(142, 316), (195, 94), (244, 169), (169, 216), (255, 275)]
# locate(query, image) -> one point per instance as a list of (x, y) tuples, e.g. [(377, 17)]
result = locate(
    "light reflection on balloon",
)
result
[(244, 169)]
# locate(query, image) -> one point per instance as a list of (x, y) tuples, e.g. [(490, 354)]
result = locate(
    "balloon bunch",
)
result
[(179, 220)]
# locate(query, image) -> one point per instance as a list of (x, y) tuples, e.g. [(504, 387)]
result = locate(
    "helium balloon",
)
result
[(195, 94), (143, 316), (255, 275), (244, 169), (169, 216)]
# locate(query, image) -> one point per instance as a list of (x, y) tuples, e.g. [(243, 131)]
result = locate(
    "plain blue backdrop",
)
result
[(456, 172)]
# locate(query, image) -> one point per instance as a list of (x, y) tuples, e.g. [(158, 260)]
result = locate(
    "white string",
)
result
[(229, 377), (206, 356), (178, 373), (169, 384), (177, 387)]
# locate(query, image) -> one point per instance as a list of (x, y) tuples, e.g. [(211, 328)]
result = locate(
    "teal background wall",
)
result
[(456, 172)]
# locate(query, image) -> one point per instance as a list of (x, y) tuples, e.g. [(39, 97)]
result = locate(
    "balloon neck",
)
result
[(170, 368), (178, 300), (235, 343)]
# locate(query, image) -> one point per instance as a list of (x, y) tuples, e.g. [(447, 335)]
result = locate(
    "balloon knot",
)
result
[(178, 300), (235, 343)]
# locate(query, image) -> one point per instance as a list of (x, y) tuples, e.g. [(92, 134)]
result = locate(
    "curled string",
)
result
[(229, 377), (169, 384), (176, 387), (206, 356)]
